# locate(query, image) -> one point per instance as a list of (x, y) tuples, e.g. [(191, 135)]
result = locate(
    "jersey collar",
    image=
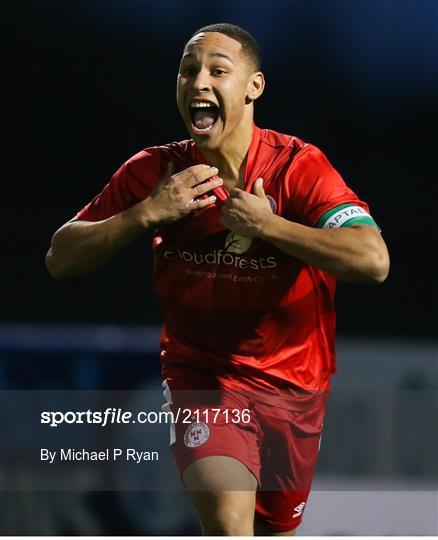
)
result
[(252, 154), (250, 162)]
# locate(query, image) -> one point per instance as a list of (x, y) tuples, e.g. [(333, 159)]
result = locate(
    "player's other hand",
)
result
[(246, 213), (177, 195)]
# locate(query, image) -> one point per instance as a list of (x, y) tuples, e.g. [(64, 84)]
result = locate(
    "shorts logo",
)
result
[(298, 510), (196, 434)]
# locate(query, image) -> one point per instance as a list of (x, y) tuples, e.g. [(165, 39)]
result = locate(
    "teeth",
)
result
[(204, 130), (200, 105)]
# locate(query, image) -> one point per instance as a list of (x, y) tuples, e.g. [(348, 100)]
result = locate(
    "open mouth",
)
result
[(204, 115)]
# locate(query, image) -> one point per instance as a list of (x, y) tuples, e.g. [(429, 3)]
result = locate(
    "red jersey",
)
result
[(235, 306)]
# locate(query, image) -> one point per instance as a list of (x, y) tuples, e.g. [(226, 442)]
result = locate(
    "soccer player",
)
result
[(252, 230)]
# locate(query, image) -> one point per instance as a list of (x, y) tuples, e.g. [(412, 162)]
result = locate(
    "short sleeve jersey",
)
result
[(236, 306)]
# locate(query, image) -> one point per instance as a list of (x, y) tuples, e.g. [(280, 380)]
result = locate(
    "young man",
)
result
[(253, 229)]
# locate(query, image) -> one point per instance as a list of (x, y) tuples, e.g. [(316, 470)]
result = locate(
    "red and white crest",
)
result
[(196, 434)]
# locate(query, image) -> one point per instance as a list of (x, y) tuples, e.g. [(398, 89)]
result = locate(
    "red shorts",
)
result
[(279, 446)]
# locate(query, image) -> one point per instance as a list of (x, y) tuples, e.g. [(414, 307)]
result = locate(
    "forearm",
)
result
[(81, 247), (349, 253)]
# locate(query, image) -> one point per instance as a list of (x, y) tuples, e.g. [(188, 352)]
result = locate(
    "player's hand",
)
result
[(177, 195), (246, 213)]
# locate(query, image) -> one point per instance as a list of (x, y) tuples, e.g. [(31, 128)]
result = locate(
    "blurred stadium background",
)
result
[(89, 83)]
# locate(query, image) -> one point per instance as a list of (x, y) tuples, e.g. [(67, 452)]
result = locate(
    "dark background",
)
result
[(90, 83)]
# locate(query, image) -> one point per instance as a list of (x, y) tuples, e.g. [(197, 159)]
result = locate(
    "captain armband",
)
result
[(345, 215)]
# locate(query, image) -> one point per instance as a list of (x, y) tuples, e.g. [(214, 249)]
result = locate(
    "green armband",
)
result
[(345, 215)]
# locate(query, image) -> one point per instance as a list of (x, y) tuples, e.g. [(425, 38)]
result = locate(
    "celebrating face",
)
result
[(216, 87)]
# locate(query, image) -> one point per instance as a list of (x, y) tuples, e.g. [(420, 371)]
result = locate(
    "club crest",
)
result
[(196, 434)]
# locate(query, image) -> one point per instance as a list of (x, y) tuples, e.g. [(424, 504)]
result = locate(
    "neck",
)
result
[(230, 158)]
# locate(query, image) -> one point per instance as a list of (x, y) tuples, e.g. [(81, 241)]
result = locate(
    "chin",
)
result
[(206, 142)]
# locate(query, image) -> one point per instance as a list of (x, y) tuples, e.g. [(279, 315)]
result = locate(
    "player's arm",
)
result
[(80, 247), (356, 253)]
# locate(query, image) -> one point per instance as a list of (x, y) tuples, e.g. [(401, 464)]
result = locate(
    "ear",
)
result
[(256, 85)]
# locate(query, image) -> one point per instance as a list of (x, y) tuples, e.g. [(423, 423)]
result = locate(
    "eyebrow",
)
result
[(217, 54)]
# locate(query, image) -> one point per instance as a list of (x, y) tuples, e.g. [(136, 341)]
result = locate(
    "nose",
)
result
[(201, 82)]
